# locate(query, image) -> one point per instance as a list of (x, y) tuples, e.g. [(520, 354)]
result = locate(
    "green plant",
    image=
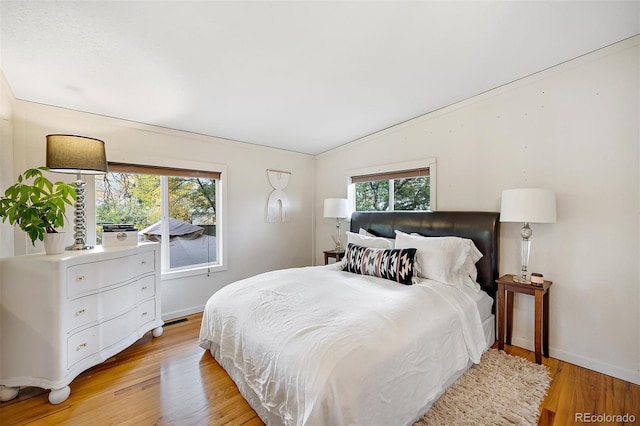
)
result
[(37, 208)]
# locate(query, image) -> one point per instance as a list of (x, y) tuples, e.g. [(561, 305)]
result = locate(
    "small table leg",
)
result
[(545, 324), (538, 326), (509, 316), (500, 317)]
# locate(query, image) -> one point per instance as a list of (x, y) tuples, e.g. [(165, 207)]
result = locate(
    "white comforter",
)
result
[(319, 346)]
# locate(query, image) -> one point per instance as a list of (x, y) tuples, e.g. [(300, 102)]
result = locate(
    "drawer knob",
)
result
[(144, 262), (81, 278), (144, 314), (144, 288), (81, 346), (80, 312)]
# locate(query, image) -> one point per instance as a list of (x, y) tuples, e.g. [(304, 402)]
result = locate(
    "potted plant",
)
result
[(38, 208)]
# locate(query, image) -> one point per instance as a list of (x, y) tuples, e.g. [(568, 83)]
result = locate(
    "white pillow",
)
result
[(466, 280), (440, 258), (366, 241), (469, 272), (474, 253), (364, 232), (469, 268)]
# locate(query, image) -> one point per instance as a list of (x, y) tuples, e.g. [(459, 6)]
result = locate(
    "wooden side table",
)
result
[(541, 294), (335, 254)]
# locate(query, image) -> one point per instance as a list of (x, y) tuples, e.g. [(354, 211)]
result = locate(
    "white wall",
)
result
[(6, 158), (574, 129), (253, 246)]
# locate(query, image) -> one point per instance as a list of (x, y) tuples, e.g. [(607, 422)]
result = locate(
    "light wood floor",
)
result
[(171, 381)]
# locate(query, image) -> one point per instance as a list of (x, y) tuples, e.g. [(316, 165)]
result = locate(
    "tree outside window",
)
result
[(190, 236), (390, 193)]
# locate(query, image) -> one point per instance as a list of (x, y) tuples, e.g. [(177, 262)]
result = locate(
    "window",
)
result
[(179, 208), (394, 187)]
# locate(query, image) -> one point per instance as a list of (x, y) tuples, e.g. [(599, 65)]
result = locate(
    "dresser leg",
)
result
[(56, 396), (157, 332), (7, 393)]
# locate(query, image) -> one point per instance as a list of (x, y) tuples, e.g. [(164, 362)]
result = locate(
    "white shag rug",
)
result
[(501, 390)]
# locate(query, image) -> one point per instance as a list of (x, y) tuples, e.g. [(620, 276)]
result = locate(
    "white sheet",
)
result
[(482, 300), (320, 346)]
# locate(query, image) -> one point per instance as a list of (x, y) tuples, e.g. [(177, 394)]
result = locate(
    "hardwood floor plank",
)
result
[(170, 380), (547, 418)]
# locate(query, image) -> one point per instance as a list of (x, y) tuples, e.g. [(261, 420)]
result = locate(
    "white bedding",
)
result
[(319, 346), (482, 300)]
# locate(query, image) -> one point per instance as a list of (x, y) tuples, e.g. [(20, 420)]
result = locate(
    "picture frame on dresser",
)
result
[(62, 314)]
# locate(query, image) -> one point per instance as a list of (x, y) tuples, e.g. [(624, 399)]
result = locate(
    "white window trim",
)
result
[(394, 167), (222, 246)]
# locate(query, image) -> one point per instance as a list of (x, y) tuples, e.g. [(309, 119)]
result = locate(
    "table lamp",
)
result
[(337, 208), (527, 205), (79, 155)]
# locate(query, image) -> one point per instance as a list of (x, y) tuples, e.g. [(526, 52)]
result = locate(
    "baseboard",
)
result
[(585, 362), (167, 316)]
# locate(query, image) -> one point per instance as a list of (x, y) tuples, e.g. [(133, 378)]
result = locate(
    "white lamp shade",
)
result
[(533, 205), (335, 207)]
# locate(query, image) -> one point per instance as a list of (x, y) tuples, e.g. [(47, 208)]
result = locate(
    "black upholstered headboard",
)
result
[(481, 227)]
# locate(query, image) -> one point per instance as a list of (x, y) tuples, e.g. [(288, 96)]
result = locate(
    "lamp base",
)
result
[(519, 279), (80, 234), (337, 239), (525, 249), (77, 246)]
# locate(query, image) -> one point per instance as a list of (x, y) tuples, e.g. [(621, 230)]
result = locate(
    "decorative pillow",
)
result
[(438, 258), (391, 264), (366, 241)]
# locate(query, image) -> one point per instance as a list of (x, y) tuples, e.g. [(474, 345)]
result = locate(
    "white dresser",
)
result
[(62, 314)]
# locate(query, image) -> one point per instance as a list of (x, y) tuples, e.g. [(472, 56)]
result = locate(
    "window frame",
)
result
[(192, 169), (402, 167)]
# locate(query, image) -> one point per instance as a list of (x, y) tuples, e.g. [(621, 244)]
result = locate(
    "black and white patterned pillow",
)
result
[(392, 264)]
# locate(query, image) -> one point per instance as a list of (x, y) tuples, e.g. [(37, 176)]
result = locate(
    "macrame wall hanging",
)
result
[(278, 204)]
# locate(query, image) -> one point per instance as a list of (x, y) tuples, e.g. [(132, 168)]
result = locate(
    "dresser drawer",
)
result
[(144, 263), (146, 312), (82, 345), (145, 287), (88, 309), (92, 276), (99, 337)]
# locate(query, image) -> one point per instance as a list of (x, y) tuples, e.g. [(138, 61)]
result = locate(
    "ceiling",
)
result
[(304, 76)]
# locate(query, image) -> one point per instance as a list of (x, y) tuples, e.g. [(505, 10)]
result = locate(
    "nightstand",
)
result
[(335, 254), (541, 295)]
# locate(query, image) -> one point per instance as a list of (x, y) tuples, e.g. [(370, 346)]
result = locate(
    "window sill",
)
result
[(192, 272)]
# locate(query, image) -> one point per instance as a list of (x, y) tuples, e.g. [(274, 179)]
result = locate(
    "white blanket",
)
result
[(319, 346)]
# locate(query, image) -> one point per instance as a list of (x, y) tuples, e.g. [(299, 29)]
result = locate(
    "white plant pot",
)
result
[(54, 242)]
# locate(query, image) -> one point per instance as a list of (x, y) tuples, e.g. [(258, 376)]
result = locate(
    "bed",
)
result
[(326, 346)]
